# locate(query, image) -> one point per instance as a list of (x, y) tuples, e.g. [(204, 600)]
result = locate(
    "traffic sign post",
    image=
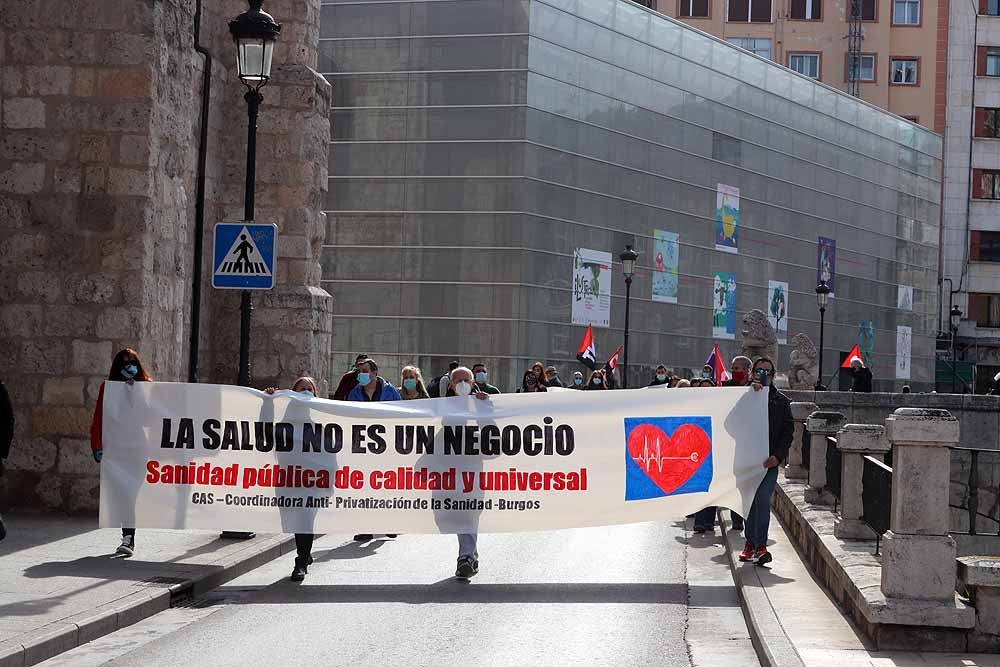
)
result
[(244, 256)]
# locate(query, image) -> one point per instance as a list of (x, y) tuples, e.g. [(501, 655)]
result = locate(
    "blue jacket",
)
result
[(384, 391)]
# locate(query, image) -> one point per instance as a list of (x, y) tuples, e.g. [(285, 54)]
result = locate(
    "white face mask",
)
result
[(463, 388)]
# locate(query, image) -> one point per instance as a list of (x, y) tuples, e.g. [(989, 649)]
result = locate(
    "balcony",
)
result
[(984, 277)]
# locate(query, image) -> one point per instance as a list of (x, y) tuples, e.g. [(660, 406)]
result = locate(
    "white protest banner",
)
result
[(224, 457)]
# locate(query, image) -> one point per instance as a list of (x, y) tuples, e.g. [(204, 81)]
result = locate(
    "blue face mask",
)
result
[(409, 384), (481, 377), (596, 382), (661, 377), (364, 378), (308, 393), (130, 371), (578, 381)]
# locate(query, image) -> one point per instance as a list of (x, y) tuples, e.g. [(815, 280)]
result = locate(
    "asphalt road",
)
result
[(628, 595)]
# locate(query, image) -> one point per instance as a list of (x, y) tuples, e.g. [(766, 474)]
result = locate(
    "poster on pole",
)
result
[(904, 340), (591, 287), (826, 262), (866, 341), (777, 309), (724, 306), (727, 218), (213, 457), (904, 300), (666, 253)]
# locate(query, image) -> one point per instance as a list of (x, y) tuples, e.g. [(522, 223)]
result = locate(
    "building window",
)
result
[(694, 9), (989, 7), (986, 310), (651, 4), (869, 9), (985, 184), (807, 10), (903, 71), (804, 63), (752, 11), (863, 68), (913, 119), (988, 123), (991, 65), (985, 247), (760, 47), (906, 12), (727, 149)]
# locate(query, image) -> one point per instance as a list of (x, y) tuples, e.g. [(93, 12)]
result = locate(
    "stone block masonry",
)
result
[(100, 119)]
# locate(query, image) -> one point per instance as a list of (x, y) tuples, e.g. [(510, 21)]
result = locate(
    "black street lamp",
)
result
[(254, 33), (822, 299), (956, 317), (628, 259)]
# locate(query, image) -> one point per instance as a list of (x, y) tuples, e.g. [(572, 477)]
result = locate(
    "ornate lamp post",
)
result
[(254, 33), (822, 299), (628, 259), (956, 317)]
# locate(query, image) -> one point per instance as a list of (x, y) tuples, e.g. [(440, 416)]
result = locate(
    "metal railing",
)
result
[(980, 461), (834, 484), (876, 497)]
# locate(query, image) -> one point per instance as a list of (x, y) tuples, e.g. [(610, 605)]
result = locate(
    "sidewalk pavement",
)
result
[(794, 623), (61, 586)]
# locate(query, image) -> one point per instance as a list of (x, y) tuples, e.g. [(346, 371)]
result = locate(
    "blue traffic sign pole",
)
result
[(253, 99)]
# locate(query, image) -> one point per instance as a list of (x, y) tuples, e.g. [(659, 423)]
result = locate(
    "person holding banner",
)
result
[(372, 387), (479, 371), (125, 367), (412, 385), (780, 429)]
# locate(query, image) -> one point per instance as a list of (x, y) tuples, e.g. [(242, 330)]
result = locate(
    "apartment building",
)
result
[(903, 53)]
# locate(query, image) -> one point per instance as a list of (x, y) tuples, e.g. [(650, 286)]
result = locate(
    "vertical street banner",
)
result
[(591, 287), (224, 457), (724, 306), (777, 309), (727, 218), (866, 341), (666, 252), (904, 341), (904, 298), (826, 262)]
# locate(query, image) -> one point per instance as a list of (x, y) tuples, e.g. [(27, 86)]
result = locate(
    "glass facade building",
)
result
[(478, 144)]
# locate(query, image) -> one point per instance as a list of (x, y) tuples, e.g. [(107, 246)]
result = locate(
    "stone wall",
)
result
[(99, 133)]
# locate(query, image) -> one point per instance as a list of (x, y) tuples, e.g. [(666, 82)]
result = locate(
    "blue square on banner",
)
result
[(667, 456), (244, 255)]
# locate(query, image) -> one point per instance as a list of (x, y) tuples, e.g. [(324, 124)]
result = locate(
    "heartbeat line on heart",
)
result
[(649, 459)]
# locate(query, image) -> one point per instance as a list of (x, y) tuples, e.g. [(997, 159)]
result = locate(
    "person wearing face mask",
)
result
[(577, 380), (303, 541), (464, 384), (597, 381), (780, 428), (481, 376), (126, 367), (662, 376), (530, 383), (552, 377), (412, 385), (372, 387), (739, 369)]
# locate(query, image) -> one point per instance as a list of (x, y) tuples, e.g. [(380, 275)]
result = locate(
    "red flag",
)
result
[(718, 365), (613, 361), (587, 352), (855, 352)]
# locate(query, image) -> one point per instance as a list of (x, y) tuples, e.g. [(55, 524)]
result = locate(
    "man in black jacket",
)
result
[(780, 429), (6, 435), (862, 377)]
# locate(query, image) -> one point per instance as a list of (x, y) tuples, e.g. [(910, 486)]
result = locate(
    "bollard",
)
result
[(820, 424), (918, 560), (800, 413), (855, 441)]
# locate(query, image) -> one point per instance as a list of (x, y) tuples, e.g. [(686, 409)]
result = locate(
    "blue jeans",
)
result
[(705, 518), (759, 518), (467, 545)]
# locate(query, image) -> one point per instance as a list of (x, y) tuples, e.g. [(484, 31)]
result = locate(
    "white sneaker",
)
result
[(127, 547)]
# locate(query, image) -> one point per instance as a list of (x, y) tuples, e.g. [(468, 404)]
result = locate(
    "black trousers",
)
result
[(128, 532), (303, 547)]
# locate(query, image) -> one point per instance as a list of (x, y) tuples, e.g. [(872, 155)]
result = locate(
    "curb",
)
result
[(773, 646), (38, 645)]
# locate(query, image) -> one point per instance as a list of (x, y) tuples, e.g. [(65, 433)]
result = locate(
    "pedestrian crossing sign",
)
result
[(244, 256)]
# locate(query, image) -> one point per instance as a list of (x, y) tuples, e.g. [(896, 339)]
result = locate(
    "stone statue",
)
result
[(759, 339), (803, 362)]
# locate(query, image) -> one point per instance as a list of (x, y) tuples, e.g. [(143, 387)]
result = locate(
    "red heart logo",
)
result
[(669, 461)]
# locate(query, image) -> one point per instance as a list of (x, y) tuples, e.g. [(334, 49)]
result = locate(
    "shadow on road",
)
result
[(350, 551)]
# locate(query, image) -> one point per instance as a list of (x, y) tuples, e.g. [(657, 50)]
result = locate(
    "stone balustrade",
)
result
[(820, 425), (855, 441), (795, 468)]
